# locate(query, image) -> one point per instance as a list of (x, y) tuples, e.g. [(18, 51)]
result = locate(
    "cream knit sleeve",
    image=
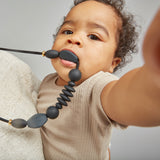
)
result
[(18, 95)]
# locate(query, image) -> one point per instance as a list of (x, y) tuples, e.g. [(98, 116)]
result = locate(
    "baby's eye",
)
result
[(67, 32), (93, 37)]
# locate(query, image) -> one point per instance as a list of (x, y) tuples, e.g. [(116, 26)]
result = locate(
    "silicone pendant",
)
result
[(37, 120)]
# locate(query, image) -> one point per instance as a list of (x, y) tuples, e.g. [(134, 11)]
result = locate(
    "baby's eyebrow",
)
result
[(96, 25), (67, 22)]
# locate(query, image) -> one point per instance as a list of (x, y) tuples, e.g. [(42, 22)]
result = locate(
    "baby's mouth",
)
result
[(68, 58), (68, 63)]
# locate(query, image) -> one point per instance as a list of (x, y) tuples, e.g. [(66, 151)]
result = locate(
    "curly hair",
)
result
[(127, 34)]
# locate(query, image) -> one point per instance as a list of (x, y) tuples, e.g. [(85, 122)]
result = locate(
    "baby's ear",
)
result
[(115, 63)]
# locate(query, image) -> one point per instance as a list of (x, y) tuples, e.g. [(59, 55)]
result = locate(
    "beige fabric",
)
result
[(18, 94), (82, 131)]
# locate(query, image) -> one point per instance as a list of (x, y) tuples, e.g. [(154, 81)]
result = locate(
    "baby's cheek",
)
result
[(62, 71), (54, 63)]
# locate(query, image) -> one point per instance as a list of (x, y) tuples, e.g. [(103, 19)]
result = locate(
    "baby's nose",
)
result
[(75, 40)]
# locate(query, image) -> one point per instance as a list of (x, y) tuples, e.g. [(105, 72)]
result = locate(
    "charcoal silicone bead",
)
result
[(58, 105), (69, 88), (62, 102), (72, 84), (68, 55), (75, 75), (64, 97), (52, 112), (51, 54), (37, 120), (19, 123), (69, 94)]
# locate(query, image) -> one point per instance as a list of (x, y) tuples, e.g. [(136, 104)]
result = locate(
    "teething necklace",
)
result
[(52, 112)]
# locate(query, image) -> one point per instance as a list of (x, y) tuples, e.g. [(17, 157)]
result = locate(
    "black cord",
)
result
[(4, 120), (22, 51)]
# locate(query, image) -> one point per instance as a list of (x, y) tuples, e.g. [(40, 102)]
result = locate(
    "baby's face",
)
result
[(90, 31)]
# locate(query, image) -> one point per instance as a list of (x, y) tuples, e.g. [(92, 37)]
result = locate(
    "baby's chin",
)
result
[(62, 81)]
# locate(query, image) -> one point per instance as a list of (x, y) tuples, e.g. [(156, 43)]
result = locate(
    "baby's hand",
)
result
[(151, 48)]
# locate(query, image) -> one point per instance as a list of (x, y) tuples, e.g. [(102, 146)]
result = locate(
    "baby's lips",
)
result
[(68, 55), (68, 63)]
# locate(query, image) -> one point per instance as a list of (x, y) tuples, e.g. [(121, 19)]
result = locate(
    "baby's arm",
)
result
[(135, 98)]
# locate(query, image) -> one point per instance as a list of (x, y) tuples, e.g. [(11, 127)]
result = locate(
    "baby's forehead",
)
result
[(93, 11), (93, 14), (96, 7)]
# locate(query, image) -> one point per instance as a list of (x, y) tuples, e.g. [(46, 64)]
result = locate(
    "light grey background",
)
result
[(30, 24)]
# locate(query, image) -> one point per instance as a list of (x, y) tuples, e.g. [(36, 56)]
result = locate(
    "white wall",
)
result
[(29, 24)]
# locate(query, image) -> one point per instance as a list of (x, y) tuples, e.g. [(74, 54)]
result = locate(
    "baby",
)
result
[(100, 35)]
